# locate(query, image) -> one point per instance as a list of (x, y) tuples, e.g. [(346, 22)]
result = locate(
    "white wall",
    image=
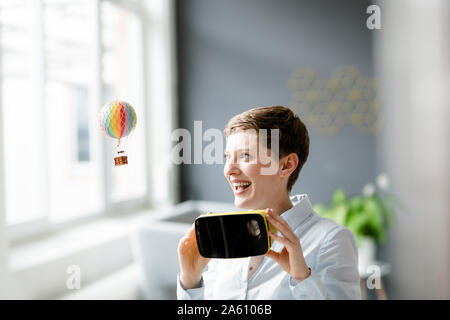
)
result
[(3, 244), (412, 59)]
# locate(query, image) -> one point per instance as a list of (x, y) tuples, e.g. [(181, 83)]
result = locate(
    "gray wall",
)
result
[(238, 54)]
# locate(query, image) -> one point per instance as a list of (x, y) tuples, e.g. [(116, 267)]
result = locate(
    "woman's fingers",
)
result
[(281, 226), (188, 240), (273, 255), (281, 240)]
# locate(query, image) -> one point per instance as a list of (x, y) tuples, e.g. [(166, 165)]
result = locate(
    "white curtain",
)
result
[(3, 243), (412, 55)]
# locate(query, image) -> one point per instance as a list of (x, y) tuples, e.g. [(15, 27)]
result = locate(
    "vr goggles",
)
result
[(233, 234)]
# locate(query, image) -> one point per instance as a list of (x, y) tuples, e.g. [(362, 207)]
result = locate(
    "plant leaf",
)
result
[(340, 214), (321, 209), (339, 196)]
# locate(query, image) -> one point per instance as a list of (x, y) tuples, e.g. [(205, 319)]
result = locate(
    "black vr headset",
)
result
[(233, 234)]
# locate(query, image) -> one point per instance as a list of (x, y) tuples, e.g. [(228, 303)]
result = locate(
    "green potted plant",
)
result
[(368, 216)]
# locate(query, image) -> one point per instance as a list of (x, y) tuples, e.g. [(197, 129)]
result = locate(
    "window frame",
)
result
[(23, 231)]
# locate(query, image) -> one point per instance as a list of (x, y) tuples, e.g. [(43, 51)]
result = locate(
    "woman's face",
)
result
[(244, 167)]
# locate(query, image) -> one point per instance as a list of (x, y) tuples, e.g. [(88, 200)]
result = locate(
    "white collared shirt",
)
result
[(329, 249)]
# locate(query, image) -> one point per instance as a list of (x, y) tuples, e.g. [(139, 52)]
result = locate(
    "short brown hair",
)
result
[(293, 137)]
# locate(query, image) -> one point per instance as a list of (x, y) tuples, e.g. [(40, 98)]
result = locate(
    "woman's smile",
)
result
[(240, 187)]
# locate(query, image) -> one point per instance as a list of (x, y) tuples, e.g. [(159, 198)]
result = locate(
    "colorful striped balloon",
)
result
[(117, 119)]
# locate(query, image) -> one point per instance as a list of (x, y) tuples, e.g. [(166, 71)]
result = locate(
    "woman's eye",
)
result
[(245, 156)]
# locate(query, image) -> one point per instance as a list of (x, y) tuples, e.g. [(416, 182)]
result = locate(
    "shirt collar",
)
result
[(301, 210)]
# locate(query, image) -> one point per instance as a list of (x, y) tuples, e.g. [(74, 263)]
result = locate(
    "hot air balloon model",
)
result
[(117, 119)]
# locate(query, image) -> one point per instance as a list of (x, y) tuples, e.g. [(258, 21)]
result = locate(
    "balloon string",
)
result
[(117, 148)]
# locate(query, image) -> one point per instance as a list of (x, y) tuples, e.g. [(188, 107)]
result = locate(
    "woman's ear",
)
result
[(288, 164)]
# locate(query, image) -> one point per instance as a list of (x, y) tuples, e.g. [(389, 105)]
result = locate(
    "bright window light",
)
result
[(122, 78), (54, 158)]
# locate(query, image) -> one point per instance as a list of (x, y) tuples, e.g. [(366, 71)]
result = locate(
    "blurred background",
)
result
[(370, 79)]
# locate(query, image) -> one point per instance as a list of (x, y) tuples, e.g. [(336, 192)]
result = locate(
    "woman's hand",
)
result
[(291, 258), (191, 262)]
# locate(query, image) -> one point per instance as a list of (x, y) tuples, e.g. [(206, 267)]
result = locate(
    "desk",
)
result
[(371, 270)]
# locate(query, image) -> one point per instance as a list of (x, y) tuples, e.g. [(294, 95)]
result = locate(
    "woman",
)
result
[(311, 257)]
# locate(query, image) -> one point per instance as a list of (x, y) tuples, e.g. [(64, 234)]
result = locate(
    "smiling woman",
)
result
[(297, 264), (253, 156)]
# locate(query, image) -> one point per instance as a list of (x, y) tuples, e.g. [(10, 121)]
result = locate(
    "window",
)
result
[(122, 77), (61, 60)]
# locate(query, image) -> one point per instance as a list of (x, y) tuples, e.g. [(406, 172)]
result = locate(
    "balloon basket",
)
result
[(120, 160)]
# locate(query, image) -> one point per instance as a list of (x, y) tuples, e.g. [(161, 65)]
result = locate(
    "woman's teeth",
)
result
[(240, 185)]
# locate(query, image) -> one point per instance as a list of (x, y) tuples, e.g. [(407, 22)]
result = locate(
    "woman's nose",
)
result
[(231, 167)]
